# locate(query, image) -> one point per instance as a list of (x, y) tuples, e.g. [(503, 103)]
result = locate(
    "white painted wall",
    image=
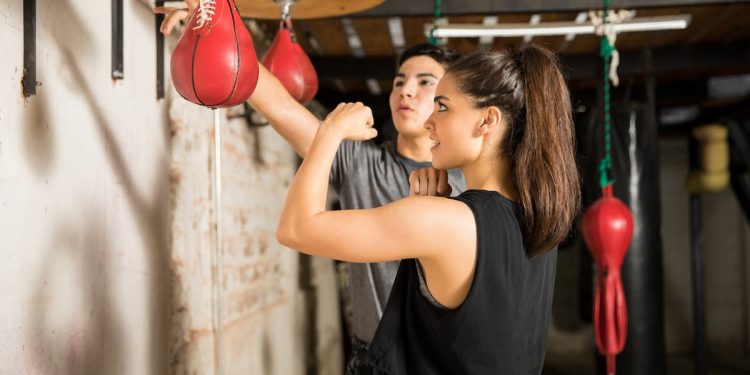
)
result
[(106, 212), (84, 197)]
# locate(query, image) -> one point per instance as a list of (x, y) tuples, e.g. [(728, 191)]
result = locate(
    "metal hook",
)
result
[(286, 8)]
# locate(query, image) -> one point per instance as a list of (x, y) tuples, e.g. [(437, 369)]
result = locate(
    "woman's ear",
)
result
[(492, 119)]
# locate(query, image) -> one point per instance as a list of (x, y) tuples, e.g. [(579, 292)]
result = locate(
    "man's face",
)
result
[(413, 93)]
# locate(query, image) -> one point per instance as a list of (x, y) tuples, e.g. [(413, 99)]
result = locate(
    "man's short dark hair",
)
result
[(443, 55)]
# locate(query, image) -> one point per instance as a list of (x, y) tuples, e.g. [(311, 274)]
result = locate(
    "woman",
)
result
[(474, 290)]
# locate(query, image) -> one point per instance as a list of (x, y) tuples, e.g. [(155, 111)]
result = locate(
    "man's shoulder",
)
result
[(383, 153), (364, 147)]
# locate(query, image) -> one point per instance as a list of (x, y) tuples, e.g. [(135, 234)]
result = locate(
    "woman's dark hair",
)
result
[(529, 89), (444, 56)]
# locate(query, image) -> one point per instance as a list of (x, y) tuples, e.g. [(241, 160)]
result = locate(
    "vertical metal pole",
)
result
[(696, 264), (29, 47), (218, 274), (117, 40), (159, 53)]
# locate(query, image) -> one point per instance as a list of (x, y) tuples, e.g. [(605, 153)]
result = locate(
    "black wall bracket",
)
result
[(29, 48), (117, 40), (159, 53)]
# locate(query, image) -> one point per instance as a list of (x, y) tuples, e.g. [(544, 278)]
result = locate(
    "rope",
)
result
[(603, 26), (438, 13), (602, 22)]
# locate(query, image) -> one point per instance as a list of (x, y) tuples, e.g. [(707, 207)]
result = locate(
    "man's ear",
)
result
[(491, 120)]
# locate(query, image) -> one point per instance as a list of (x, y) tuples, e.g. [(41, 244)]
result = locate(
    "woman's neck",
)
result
[(494, 174), (417, 148)]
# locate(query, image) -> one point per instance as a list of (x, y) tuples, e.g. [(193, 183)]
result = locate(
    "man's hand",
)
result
[(175, 15), (353, 120), (429, 182)]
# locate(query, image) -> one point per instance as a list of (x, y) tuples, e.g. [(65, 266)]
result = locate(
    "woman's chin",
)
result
[(437, 162)]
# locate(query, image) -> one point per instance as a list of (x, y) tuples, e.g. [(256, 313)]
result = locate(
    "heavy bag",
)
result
[(289, 63), (214, 63)]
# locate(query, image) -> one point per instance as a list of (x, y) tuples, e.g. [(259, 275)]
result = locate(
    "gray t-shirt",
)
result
[(367, 175)]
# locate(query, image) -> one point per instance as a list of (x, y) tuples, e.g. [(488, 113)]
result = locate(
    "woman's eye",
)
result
[(441, 107), (398, 84), (427, 83)]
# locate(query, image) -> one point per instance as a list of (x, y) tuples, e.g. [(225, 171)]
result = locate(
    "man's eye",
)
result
[(441, 107), (427, 83)]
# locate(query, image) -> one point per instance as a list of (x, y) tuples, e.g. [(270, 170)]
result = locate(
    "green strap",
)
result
[(605, 51), (432, 40)]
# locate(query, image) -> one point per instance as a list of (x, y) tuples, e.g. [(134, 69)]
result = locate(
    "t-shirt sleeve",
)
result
[(349, 154)]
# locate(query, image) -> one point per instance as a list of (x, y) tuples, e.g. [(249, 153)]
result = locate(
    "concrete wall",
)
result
[(726, 254), (106, 211)]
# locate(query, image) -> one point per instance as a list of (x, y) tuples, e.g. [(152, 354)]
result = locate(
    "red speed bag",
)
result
[(289, 63), (214, 63), (608, 230)]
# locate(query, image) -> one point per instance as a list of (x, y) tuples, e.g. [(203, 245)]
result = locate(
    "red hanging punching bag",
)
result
[(214, 63), (608, 230), (289, 63)]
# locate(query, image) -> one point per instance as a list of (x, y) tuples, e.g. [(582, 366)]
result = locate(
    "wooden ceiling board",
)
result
[(330, 35), (374, 35), (414, 30)]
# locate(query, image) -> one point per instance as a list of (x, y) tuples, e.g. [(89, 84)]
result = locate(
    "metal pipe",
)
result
[(696, 264), (218, 267)]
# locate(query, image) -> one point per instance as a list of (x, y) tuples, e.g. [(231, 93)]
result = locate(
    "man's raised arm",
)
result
[(292, 120)]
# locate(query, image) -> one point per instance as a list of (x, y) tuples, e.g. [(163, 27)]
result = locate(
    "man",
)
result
[(365, 174)]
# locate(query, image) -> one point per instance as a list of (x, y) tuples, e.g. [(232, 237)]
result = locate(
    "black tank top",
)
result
[(500, 328)]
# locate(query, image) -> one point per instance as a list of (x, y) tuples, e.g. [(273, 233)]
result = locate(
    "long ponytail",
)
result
[(528, 86), (544, 167)]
